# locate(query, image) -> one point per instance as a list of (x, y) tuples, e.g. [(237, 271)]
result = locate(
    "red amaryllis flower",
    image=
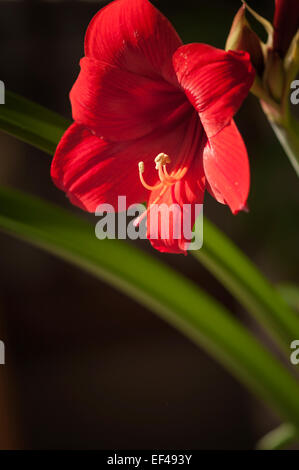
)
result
[(140, 94)]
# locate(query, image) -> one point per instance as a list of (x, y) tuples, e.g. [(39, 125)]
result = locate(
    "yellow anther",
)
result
[(161, 159), (141, 167)]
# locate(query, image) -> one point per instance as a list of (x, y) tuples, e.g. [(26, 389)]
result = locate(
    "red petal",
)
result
[(135, 36), (226, 168), (120, 105), (166, 233), (216, 82), (93, 171)]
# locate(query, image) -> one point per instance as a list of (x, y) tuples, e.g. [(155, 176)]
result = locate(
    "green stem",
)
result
[(279, 438), (288, 136)]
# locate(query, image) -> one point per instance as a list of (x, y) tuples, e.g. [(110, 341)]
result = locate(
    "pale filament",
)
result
[(147, 186)]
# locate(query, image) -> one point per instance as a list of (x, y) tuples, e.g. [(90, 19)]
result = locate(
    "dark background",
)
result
[(87, 367)]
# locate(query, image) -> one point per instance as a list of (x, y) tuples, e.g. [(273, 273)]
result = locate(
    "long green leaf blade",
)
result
[(31, 122), (157, 287), (247, 284)]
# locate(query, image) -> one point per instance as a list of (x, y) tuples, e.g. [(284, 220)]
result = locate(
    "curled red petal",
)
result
[(135, 36), (216, 82), (226, 168)]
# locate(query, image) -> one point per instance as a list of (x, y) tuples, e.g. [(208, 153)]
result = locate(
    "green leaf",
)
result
[(290, 293), (31, 122), (279, 438), (157, 287), (247, 284)]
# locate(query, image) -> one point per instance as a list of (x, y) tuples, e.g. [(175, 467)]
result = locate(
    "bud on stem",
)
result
[(242, 38), (277, 65), (274, 77)]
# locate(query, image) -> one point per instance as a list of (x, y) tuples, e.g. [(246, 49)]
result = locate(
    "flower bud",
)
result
[(291, 60), (274, 75), (242, 38)]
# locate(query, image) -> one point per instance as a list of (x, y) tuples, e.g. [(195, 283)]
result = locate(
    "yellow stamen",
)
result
[(166, 179), (147, 186), (161, 159), (176, 176)]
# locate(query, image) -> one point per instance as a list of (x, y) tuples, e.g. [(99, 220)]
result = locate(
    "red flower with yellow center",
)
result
[(153, 118)]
